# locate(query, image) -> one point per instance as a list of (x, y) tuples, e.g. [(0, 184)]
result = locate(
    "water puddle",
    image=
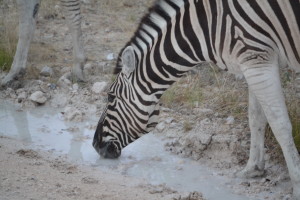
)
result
[(44, 128)]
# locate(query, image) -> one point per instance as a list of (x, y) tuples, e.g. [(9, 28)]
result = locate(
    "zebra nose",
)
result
[(109, 150)]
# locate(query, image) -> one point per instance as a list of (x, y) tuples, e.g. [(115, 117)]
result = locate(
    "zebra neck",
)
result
[(163, 50)]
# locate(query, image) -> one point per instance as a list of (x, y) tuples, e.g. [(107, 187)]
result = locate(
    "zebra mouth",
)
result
[(108, 150)]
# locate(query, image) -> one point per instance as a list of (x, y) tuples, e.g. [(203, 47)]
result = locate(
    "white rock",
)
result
[(22, 95), (161, 126), (99, 87), (110, 56), (73, 114), (75, 87), (46, 71), (230, 120), (204, 111), (38, 97), (169, 120), (64, 82)]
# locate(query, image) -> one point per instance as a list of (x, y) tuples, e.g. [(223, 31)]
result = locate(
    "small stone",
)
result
[(75, 87), (46, 71), (110, 56), (169, 120), (22, 96), (11, 93), (73, 114), (64, 81), (52, 86), (203, 111), (230, 120), (161, 126), (38, 97), (99, 87)]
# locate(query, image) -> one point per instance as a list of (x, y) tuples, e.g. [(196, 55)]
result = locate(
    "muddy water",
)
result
[(44, 128)]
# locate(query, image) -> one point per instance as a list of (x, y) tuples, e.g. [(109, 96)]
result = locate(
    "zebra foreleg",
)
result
[(27, 22), (257, 122), (73, 16), (264, 82)]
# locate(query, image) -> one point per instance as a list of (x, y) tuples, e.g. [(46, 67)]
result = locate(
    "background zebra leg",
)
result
[(27, 21), (257, 122), (73, 16), (264, 82)]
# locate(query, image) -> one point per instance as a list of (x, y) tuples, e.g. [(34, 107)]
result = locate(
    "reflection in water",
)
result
[(44, 128), (14, 118)]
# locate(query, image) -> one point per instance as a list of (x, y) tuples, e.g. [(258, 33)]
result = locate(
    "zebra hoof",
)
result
[(250, 173)]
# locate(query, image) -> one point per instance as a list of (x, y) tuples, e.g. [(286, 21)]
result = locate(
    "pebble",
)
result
[(99, 87), (46, 71), (38, 97), (110, 56), (160, 127), (22, 96), (64, 82), (230, 120)]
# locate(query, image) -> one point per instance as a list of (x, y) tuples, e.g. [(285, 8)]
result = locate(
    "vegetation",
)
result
[(6, 59), (209, 89), (221, 92), (8, 34)]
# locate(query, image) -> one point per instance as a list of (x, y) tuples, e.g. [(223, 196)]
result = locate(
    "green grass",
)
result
[(6, 59)]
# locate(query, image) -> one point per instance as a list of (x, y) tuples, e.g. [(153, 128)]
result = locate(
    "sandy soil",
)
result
[(30, 174)]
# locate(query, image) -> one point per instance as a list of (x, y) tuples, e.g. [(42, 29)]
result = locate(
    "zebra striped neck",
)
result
[(163, 51)]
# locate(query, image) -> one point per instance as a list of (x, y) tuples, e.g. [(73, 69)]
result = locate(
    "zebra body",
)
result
[(249, 37), (28, 11)]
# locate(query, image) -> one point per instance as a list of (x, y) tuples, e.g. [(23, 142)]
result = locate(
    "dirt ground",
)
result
[(107, 25), (30, 174)]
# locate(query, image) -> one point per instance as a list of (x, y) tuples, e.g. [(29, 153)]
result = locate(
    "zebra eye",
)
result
[(110, 97)]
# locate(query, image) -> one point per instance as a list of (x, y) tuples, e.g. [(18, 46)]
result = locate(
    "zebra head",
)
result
[(129, 112)]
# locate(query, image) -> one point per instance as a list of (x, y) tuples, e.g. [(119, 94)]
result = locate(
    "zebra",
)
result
[(247, 37), (27, 21)]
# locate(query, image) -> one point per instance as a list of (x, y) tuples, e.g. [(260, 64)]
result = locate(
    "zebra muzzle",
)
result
[(109, 150)]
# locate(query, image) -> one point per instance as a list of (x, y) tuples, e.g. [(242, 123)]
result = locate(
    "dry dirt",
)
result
[(28, 174), (107, 25)]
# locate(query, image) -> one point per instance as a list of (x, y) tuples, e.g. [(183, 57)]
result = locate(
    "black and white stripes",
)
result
[(72, 11), (250, 37), (176, 35)]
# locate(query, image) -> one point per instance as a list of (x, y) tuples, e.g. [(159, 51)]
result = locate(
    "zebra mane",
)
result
[(146, 20)]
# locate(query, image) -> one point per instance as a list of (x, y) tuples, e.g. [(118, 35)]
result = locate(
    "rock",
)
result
[(38, 97), (89, 68), (21, 96), (110, 56), (160, 127), (58, 100), (164, 109), (203, 111), (230, 120), (205, 121), (169, 120), (99, 87), (64, 81), (51, 86), (11, 93), (75, 87), (46, 71), (73, 114)]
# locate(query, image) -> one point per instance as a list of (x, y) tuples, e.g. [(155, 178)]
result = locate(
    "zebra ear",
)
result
[(128, 60)]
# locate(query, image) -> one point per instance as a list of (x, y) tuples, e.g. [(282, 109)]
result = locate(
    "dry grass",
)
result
[(223, 94), (8, 33), (208, 88)]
